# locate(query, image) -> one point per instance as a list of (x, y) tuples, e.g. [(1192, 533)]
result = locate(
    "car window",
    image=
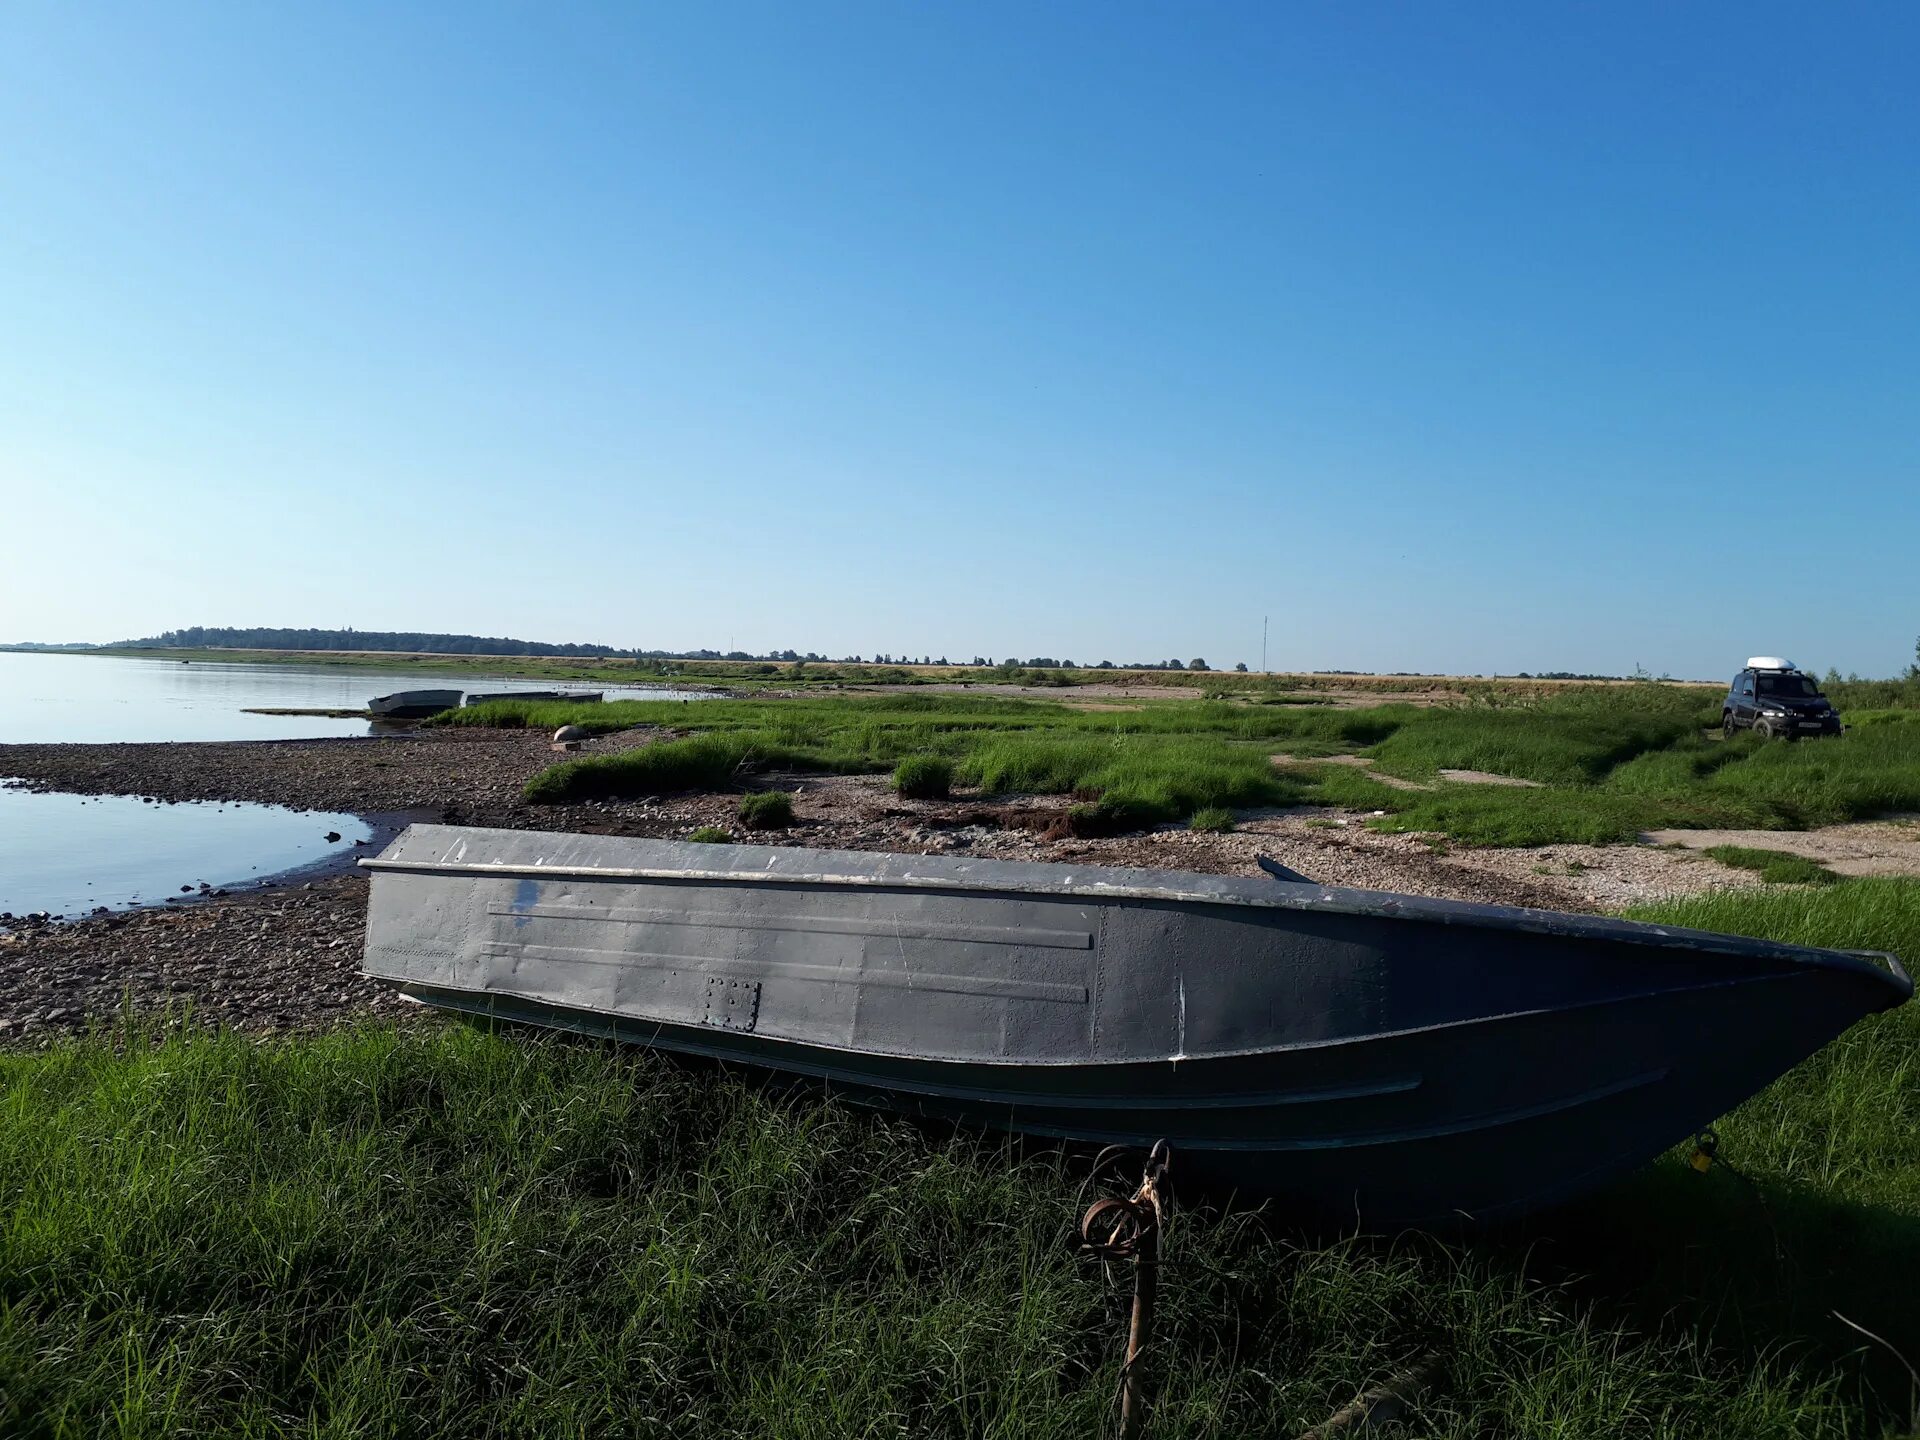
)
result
[(1797, 687)]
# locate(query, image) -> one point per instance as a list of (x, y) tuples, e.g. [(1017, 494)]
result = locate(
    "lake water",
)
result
[(100, 699), (67, 854)]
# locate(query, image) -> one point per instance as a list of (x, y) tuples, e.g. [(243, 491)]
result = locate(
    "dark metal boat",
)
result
[(412, 704), (1355, 1053), (583, 697)]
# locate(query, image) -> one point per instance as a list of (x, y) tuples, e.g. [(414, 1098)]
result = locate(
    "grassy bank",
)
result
[(1609, 762), (449, 1233)]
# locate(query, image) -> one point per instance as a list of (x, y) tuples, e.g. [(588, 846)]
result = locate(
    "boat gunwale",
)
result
[(1084, 883)]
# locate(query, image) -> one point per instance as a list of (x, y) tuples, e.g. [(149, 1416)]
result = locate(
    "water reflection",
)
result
[(68, 854)]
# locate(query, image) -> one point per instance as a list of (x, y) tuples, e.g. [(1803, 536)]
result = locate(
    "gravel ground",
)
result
[(474, 775), (279, 959), (286, 956)]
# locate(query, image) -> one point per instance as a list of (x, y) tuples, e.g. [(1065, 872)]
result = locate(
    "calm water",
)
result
[(69, 853), (95, 699)]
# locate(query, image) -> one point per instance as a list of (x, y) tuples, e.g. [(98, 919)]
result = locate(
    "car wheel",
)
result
[(1727, 727), (1763, 729)]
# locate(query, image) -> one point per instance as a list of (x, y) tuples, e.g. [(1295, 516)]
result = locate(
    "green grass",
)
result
[(701, 762), (454, 1234), (1575, 740), (1214, 818), (924, 777), (1157, 764), (1611, 761), (1776, 867), (1692, 783), (1846, 1123), (711, 835), (442, 1232), (767, 810)]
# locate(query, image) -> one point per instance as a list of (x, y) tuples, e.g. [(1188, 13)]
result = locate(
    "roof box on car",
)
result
[(1770, 662)]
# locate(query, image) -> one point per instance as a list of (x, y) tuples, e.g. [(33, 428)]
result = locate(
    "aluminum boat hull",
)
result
[(1354, 1053), (413, 704), (483, 697)]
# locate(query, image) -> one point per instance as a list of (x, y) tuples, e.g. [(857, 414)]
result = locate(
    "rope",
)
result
[(1115, 1229)]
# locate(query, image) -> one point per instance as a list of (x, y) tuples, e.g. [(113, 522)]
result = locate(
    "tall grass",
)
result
[(1573, 741), (1846, 1123), (924, 777), (452, 1234)]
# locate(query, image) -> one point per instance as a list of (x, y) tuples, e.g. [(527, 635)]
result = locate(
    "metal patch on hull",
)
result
[(732, 1004)]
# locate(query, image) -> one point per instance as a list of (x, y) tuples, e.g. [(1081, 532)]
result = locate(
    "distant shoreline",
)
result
[(761, 674)]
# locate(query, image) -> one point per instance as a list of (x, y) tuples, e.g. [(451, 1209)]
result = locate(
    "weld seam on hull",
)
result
[(809, 924), (677, 1037), (1598, 1004), (1486, 1120), (1039, 990), (620, 1027)]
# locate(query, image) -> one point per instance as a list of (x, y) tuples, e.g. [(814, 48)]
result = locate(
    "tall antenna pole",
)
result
[(1263, 644)]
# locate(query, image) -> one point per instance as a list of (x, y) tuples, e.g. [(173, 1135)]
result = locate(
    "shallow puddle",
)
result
[(67, 854)]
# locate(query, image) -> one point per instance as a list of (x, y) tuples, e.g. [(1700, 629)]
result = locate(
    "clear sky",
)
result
[(1467, 337)]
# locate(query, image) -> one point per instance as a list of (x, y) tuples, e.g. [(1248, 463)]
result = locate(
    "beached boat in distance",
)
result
[(589, 697), (1351, 1052), (412, 704)]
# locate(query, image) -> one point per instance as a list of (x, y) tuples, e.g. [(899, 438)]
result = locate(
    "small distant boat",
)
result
[(1350, 1052), (479, 697), (413, 704)]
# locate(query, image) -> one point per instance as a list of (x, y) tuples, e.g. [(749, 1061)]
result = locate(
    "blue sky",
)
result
[(1452, 338)]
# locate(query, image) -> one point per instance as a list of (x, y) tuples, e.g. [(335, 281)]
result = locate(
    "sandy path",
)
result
[(1861, 847)]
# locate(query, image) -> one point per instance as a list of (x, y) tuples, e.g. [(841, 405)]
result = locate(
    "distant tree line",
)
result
[(260, 637), (1564, 675)]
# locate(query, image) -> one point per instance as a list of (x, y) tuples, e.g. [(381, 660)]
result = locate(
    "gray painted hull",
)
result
[(1350, 1052), (586, 697), (413, 704)]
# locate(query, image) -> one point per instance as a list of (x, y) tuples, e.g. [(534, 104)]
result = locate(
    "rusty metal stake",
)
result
[(1130, 1230)]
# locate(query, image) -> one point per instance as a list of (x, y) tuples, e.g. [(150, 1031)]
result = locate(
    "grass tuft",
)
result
[(924, 777), (1213, 819), (767, 810), (711, 835), (1776, 867)]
